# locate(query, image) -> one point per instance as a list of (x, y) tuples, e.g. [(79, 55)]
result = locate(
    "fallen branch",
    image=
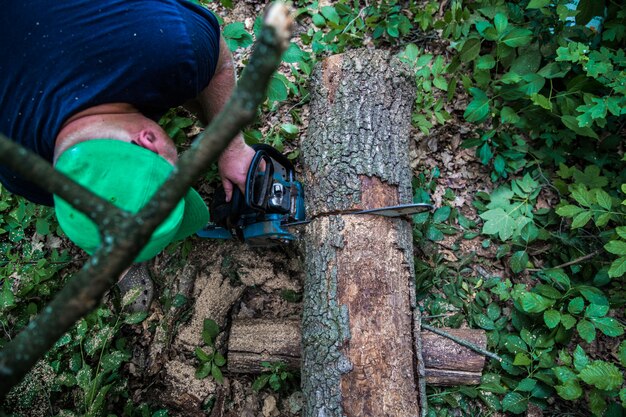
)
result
[(570, 263)]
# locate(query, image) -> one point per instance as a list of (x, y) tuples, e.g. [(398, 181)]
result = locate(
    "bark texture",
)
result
[(358, 295), (252, 341)]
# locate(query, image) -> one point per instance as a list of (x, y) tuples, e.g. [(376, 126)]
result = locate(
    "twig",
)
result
[(421, 369), (463, 342), (570, 263)]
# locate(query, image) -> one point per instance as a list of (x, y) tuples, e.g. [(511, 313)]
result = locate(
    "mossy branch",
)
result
[(124, 237)]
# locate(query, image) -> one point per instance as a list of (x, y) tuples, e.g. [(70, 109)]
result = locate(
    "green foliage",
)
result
[(545, 93), (277, 376), (210, 363)]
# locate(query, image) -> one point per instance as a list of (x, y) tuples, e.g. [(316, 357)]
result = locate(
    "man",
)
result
[(80, 80)]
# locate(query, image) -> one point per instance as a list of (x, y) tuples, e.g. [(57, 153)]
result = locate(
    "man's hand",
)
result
[(233, 165)]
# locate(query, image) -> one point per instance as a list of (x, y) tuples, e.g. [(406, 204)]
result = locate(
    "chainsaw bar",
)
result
[(389, 211)]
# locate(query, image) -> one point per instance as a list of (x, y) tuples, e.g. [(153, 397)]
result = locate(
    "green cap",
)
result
[(126, 175)]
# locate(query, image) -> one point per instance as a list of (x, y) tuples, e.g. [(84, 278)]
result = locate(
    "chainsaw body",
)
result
[(273, 198)]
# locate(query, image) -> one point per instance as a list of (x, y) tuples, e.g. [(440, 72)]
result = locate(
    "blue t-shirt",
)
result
[(61, 57)]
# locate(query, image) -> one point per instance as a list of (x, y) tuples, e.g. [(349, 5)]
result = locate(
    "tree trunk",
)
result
[(252, 341), (357, 341)]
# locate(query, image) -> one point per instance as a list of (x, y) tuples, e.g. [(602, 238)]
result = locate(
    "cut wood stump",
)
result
[(253, 341), (357, 339)]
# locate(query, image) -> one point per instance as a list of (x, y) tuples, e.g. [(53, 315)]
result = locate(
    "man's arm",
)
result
[(234, 162)]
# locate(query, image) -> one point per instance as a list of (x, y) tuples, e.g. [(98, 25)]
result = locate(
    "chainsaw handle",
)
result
[(258, 183)]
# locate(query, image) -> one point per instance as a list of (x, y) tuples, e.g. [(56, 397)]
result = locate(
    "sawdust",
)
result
[(184, 385)]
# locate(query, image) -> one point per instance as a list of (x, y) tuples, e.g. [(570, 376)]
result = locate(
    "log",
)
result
[(357, 344), (253, 341)]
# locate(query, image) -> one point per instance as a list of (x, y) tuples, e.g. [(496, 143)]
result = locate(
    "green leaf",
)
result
[(581, 219), (434, 234), (485, 62), (277, 90), (535, 303), (568, 210), (537, 4), (515, 344), (571, 123), (552, 318), (204, 370), (581, 360), (470, 50), (484, 322), (478, 109), (113, 360), (602, 375), (515, 403), (260, 382), (330, 14), (518, 261), (564, 374), (218, 359), (567, 321), (42, 226), (596, 310), (541, 101), (135, 318), (576, 305), (508, 115), (621, 353), (586, 330), (609, 326), (202, 355), (500, 22), (559, 277), (526, 385), (216, 373), (236, 36), (604, 199), (211, 328), (294, 54), (616, 247), (318, 20), (618, 267), (569, 391), (442, 214), (583, 196), (498, 222), (593, 295), (517, 37)]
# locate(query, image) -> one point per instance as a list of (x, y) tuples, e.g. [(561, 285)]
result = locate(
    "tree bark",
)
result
[(252, 341), (357, 342)]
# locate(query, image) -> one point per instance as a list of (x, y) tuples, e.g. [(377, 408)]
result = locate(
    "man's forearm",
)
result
[(213, 98)]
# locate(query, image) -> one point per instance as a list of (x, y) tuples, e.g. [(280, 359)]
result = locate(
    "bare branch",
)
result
[(125, 237), (37, 170)]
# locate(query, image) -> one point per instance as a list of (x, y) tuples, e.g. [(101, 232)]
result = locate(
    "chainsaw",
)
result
[(272, 203)]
